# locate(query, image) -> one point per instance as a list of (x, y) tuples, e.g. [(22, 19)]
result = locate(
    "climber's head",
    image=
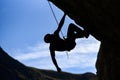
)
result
[(48, 38)]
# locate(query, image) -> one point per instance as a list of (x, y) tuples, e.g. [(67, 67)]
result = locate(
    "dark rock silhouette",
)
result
[(101, 19), (11, 69)]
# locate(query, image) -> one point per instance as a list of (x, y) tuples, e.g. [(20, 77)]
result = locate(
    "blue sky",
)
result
[(23, 24)]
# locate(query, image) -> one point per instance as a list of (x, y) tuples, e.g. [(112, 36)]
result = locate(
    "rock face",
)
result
[(100, 18), (11, 69)]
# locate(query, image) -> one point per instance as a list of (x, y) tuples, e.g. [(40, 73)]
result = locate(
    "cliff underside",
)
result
[(100, 18)]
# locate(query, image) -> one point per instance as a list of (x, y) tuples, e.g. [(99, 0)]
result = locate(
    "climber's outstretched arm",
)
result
[(52, 53), (60, 24)]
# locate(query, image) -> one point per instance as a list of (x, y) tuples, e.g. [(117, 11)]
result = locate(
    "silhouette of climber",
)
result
[(58, 44)]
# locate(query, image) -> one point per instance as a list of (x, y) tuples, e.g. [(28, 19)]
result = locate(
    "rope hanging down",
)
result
[(55, 17), (57, 23)]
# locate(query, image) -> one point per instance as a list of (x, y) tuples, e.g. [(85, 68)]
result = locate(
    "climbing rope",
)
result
[(53, 12), (55, 17), (57, 23)]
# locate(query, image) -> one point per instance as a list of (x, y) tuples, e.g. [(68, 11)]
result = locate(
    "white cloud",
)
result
[(39, 51), (83, 56)]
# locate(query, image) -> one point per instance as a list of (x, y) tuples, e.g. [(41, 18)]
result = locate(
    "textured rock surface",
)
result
[(101, 19)]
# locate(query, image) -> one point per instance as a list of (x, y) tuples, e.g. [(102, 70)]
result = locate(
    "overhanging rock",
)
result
[(101, 19)]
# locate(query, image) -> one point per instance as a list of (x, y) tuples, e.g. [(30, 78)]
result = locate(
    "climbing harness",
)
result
[(57, 23)]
